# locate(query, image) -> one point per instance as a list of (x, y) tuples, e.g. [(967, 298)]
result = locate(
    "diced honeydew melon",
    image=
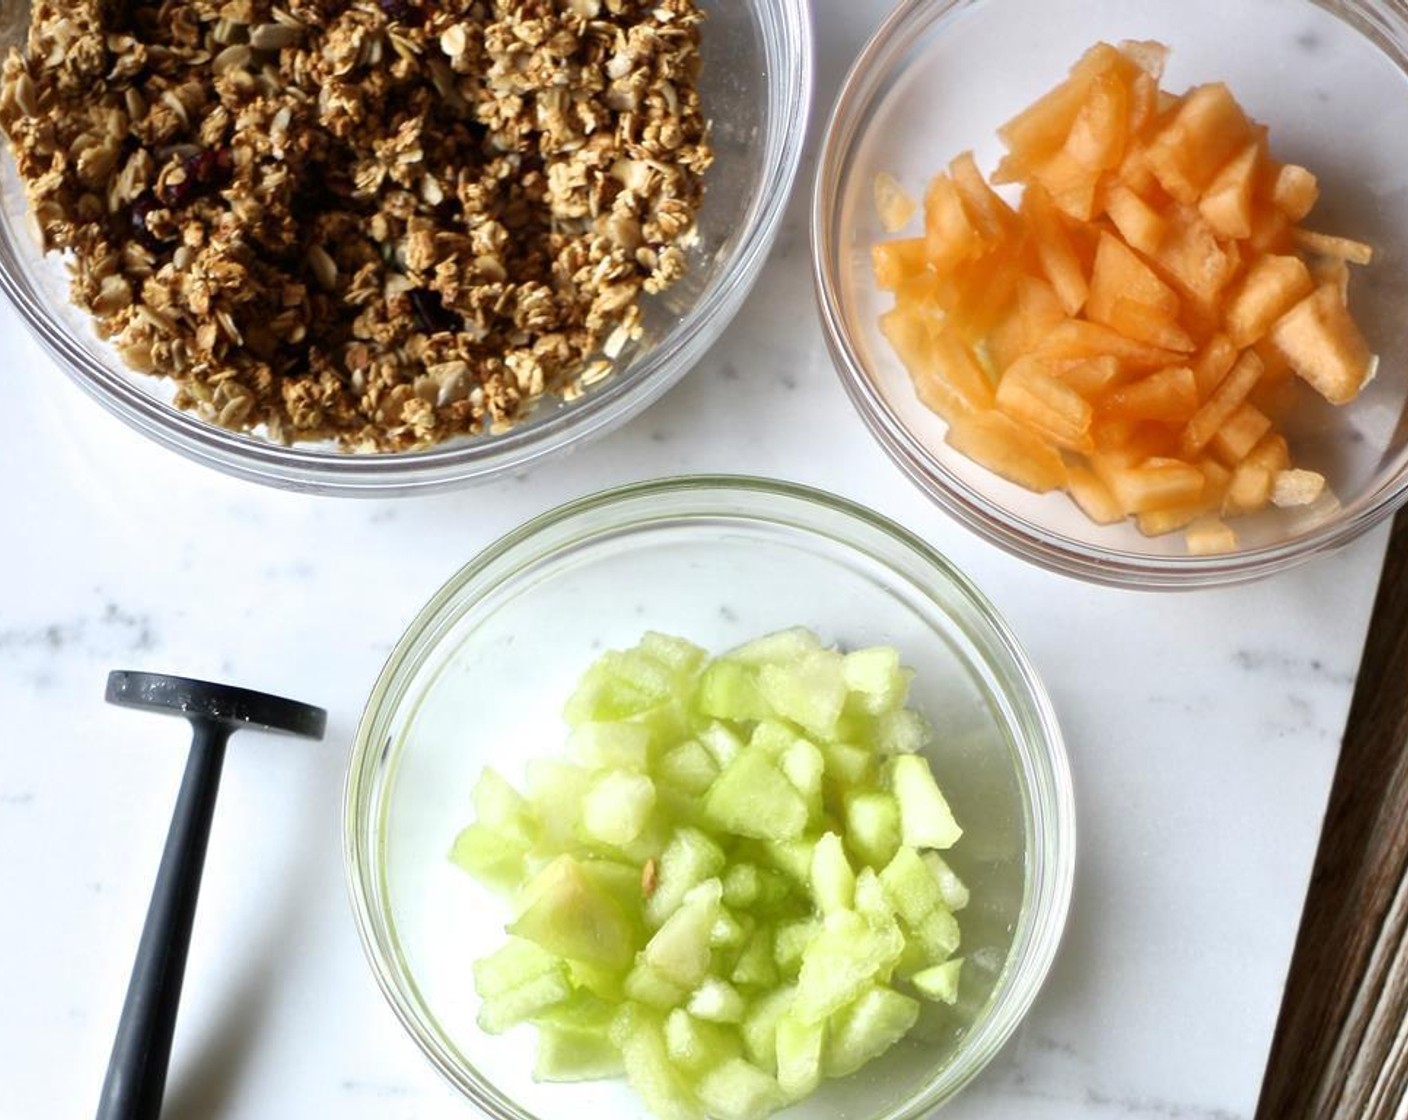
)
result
[(684, 658), (759, 1027), (803, 765), (590, 979), (716, 1001), (810, 692), (500, 807), (515, 963), (556, 791), (911, 886), (689, 859), (737, 1090), (575, 1054), (695, 1045), (648, 986), (876, 679), (938, 933), (730, 931), (752, 797), (799, 1050), (497, 1013), (926, 821), (790, 941), (491, 857), (870, 1025), (679, 949), (729, 690), (848, 764), (617, 807), (742, 884), (611, 746), (688, 767), (903, 731), (567, 914), (939, 982), (722, 743), (846, 956), (778, 648), (872, 825), (871, 900), (952, 889), (755, 966), (833, 882), (793, 858), (641, 1038)]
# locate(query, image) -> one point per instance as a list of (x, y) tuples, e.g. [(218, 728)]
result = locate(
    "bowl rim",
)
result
[(1041, 761), (844, 129), (788, 42)]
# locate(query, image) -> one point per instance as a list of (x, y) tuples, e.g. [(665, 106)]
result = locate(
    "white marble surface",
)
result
[(1202, 728)]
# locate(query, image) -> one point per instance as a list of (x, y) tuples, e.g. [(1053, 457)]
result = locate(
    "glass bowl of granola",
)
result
[(716, 561), (386, 247)]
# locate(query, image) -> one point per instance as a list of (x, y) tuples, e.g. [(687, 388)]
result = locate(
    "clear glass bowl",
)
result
[(1330, 80), (480, 677), (756, 89)]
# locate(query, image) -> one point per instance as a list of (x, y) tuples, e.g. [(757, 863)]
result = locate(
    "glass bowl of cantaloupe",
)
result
[(1120, 284), (709, 797)]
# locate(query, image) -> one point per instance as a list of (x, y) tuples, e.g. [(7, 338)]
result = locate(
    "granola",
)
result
[(378, 221)]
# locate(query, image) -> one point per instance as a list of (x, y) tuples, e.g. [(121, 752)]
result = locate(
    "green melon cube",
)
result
[(803, 765), (500, 807), (513, 964), (900, 732), (611, 746), (497, 1013), (870, 1025), (742, 884), (730, 931), (952, 889), (810, 691), (606, 983), (492, 858), (876, 679), (872, 825), (939, 982), (689, 859), (790, 942), (646, 985), (737, 1090), (679, 949), (567, 914), (640, 1036), (720, 742), (925, 818), (793, 858), (613, 689), (567, 1053), (843, 959), (848, 765), (681, 657), (688, 767), (752, 797), (833, 881), (911, 886), (694, 1045), (755, 966), (716, 1001), (617, 807), (759, 1027), (871, 900), (799, 1050), (556, 791), (939, 935), (729, 690), (780, 647)]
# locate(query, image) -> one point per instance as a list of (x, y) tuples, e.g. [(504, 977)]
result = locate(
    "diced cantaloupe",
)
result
[(949, 235), (1209, 535), (990, 215), (1294, 191), (1139, 223), (946, 374), (1291, 488), (1030, 394), (1055, 249), (1231, 391), (1327, 245), (1226, 204), (1155, 483), (893, 206), (1239, 433), (1092, 495), (1119, 273), (1212, 363), (1207, 130), (1322, 342), (1169, 394), (1007, 448), (1034, 311), (1097, 136), (1088, 376), (1144, 323), (1272, 286), (897, 261)]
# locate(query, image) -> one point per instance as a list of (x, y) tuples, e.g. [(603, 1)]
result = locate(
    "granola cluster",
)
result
[(386, 222)]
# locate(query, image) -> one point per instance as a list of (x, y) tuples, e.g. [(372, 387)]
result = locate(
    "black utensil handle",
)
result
[(136, 1073)]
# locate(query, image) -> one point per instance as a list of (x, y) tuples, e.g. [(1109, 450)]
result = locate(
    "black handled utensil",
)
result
[(136, 1074)]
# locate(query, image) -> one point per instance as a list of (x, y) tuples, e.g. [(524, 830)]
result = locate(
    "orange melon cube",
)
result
[(1070, 183), (1119, 273), (1212, 363), (1143, 103), (1080, 338), (1092, 495), (1088, 376), (1239, 433), (1226, 205), (1332, 271), (946, 374), (996, 441), (1323, 345), (1148, 54), (1250, 489), (1222, 402), (1168, 519), (1271, 231), (1055, 249), (1327, 245), (1156, 483), (1169, 395), (949, 235), (1098, 133), (1138, 223), (983, 294), (1141, 322), (898, 261), (1209, 536), (892, 205), (1208, 128), (1128, 443), (1192, 257), (1291, 488), (1046, 405), (1034, 311), (1271, 287), (1294, 191), (989, 213)]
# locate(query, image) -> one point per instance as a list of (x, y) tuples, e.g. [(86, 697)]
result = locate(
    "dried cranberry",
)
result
[(431, 312), (142, 206), (402, 11), (204, 169)]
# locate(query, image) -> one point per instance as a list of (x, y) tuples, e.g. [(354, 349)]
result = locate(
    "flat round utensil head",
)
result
[(205, 702)]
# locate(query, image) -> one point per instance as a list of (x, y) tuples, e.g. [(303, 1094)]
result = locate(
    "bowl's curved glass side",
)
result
[(938, 54), (756, 91), (717, 560)]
